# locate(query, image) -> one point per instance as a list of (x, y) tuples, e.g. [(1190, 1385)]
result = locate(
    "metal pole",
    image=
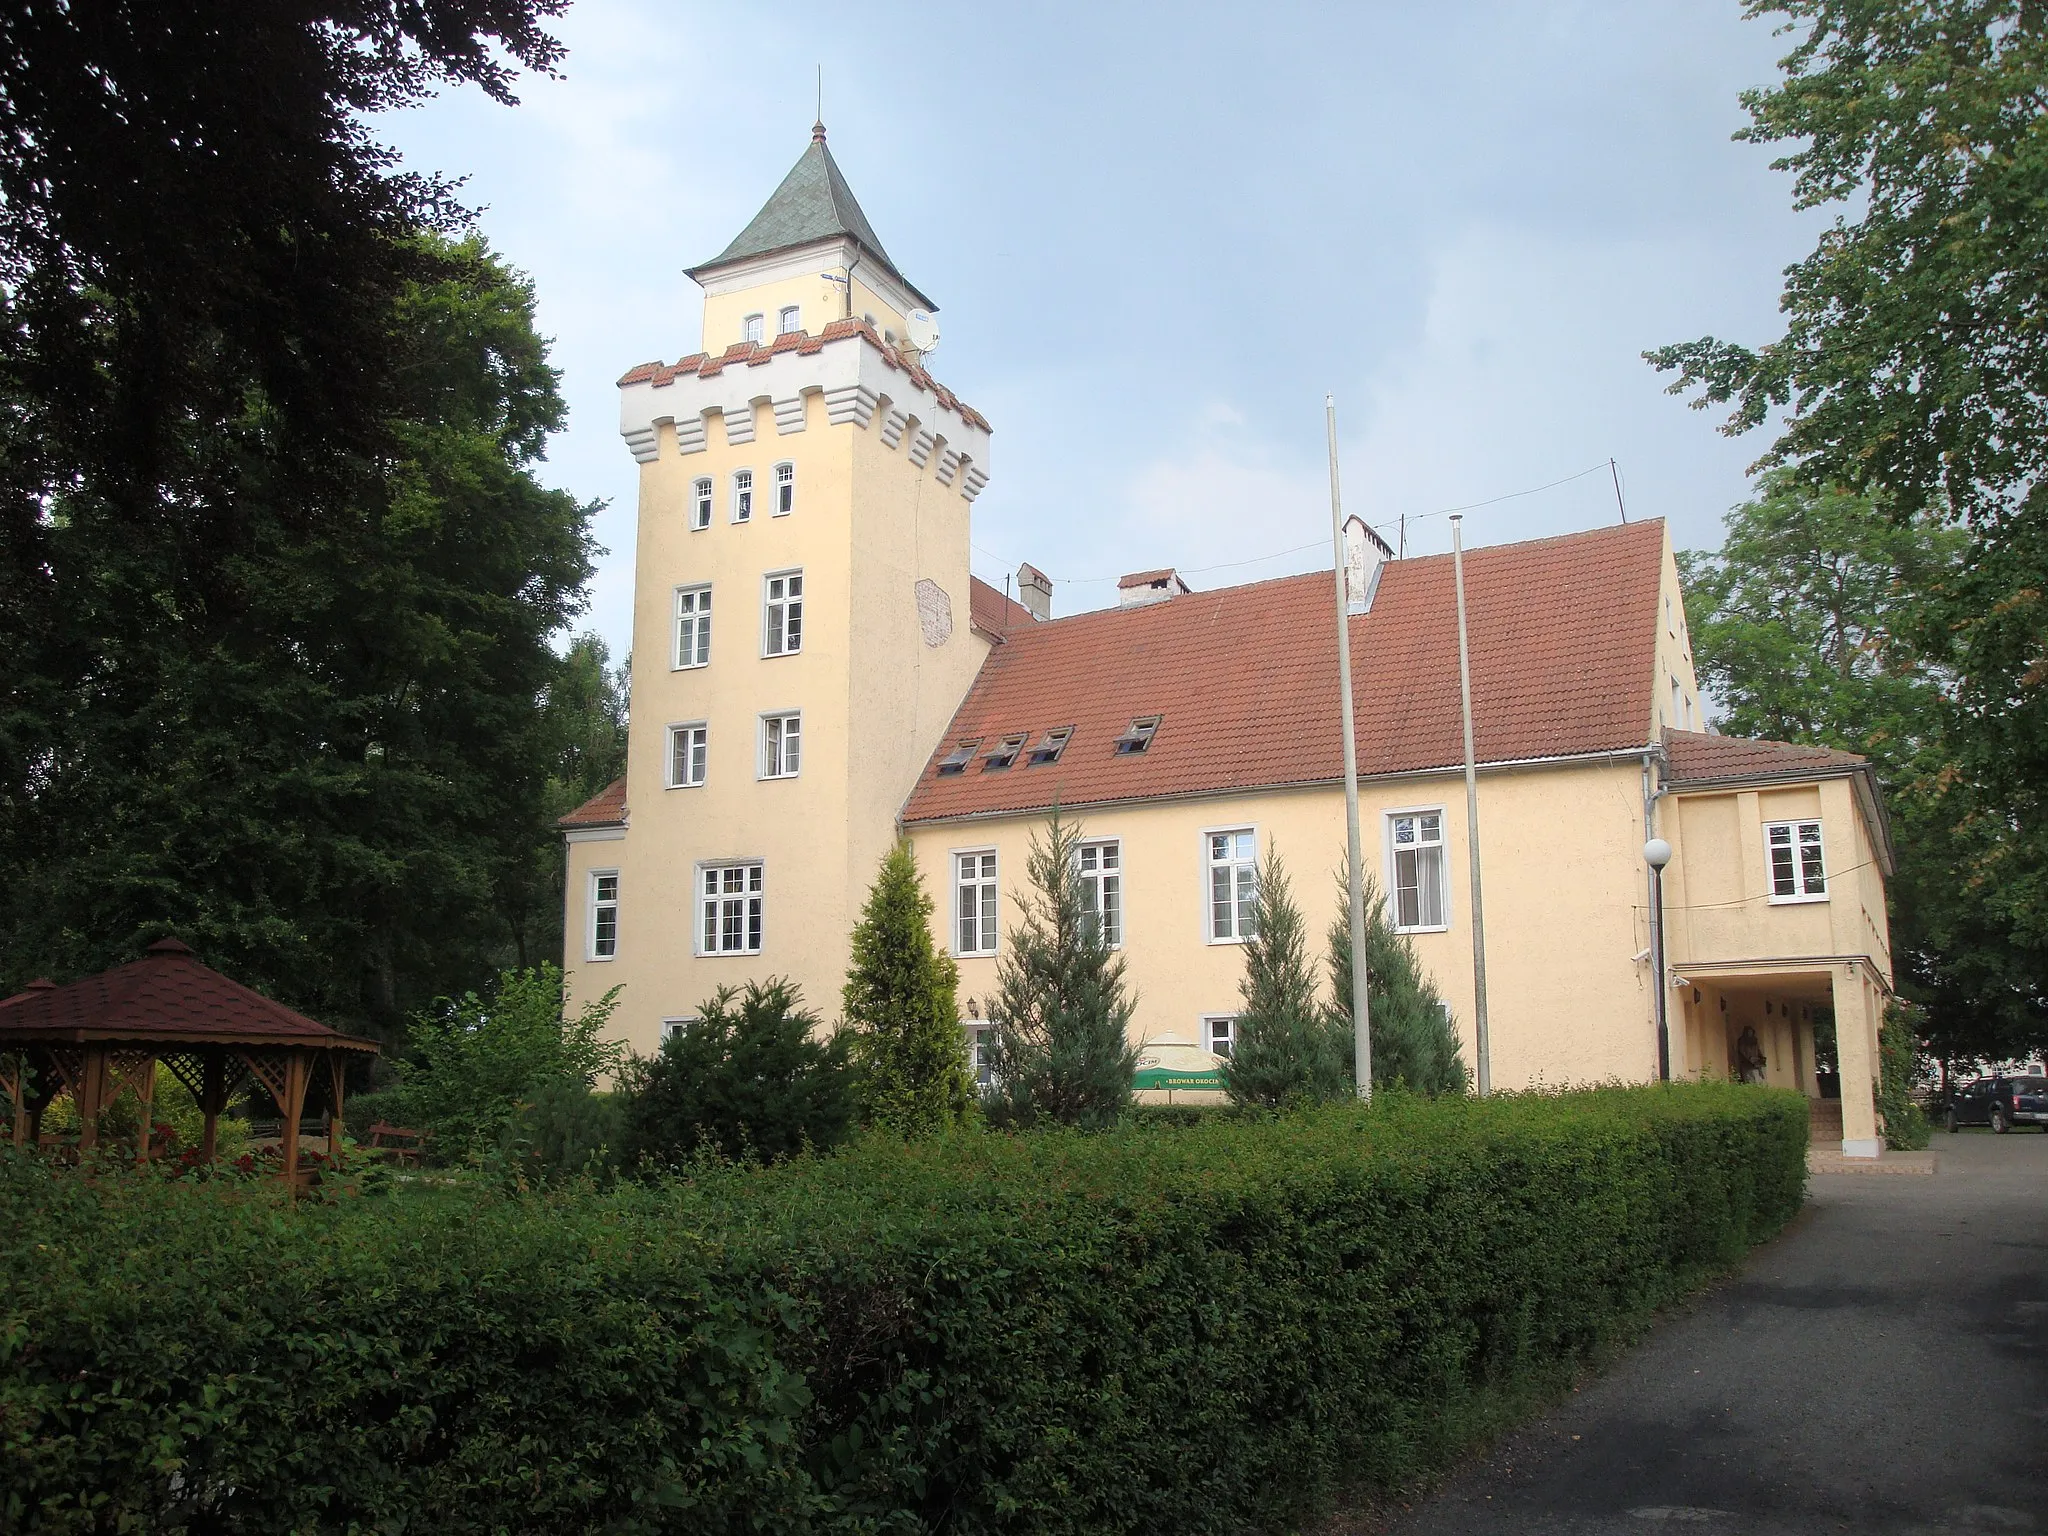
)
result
[(1361, 1008), (1657, 853), (1483, 1041)]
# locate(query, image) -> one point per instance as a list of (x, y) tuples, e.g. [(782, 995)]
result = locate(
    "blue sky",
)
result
[(1158, 235)]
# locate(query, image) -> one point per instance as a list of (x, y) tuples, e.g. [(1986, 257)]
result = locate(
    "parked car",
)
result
[(1998, 1101)]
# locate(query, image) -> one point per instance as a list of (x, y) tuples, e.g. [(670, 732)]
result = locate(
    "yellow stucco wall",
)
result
[(821, 303), (1564, 906)]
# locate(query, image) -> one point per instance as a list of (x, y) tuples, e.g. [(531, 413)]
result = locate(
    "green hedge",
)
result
[(1199, 1329)]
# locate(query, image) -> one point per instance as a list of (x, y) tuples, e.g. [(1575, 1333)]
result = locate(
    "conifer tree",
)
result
[(1060, 1049), (901, 1010), (1289, 1049), (1412, 1040)]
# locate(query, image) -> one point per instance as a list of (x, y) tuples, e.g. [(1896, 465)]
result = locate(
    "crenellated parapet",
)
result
[(858, 375)]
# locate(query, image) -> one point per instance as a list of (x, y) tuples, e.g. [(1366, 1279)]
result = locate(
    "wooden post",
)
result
[(294, 1106), (213, 1077), (17, 1088), (337, 1075), (91, 1089), (145, 1091)]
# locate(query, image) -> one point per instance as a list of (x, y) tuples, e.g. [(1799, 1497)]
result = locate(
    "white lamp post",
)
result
[(1657, 853)]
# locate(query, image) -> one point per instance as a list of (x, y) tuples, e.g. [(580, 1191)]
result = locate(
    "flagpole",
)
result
[(1481, 1042), (1361, 1008)]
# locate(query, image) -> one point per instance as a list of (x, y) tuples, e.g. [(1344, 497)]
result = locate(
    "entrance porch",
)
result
[(1760, 1014)]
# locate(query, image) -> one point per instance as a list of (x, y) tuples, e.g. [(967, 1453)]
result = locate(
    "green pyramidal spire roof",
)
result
[(813, 203)]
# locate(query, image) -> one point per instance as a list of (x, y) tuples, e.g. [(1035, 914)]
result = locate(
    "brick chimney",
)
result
[(1141, 588), (1034, 591)]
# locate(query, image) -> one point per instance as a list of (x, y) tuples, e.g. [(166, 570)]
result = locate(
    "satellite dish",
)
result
[(923, 330)]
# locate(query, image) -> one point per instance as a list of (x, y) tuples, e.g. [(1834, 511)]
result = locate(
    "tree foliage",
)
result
[(901, 1008), (1914, 368), (475, 1060), (1288, 1049), (1413, 1043), (1060, 1049), (747, 1078)]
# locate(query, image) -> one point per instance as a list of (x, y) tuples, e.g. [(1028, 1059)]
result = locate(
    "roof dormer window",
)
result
[(1004, 752), (956, 761), (1052, 744), (1138, 736)]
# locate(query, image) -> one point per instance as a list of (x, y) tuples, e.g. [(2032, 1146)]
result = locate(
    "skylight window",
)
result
[(1138, 736), (1051, 744), (1004, 752), (956, 761)]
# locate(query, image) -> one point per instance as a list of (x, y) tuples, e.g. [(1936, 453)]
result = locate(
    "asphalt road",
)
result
[(1881, 1367)]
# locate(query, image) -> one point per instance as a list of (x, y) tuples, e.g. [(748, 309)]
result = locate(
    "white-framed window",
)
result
[(702, 492), (782, 740), (688, 746), (752, 328), (789, 319), (670, 1028), (742, 495), (729, 900), (782, 613), (981, 1054), (1416, 886), (1798, 866), (693, 626), (1233, 859), (785, 489), (974, 902), (1677, 705), (604, 914), (1101, 868), (1219, 1033)]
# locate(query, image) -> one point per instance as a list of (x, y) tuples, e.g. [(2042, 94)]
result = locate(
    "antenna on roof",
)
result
[(1611, 470)]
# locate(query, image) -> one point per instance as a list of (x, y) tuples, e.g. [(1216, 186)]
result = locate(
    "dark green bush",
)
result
[(1203, 1329), (747, 1078), (564, 1131)]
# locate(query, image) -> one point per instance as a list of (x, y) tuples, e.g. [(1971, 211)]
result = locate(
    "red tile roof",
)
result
[(1699, 758), (753, 353), (1563, 637), (606, 808), (166, 998), (995, 613)]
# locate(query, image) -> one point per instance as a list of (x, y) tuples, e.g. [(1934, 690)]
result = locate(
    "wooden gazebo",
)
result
[(100, 1034)]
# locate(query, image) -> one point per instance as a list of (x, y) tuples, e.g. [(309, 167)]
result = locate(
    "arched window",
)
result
[(790, 319), (751, 329), (742, 495), (700, 499)]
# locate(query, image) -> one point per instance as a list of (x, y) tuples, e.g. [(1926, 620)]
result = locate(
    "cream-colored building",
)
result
[(816, 672)]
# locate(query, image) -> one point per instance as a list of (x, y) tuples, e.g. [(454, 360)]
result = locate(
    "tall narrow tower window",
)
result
[(785, 489), (791, 319), (782, 614), (742, 495), (604, 914), (700, 503), (693, 626), (752, 329)]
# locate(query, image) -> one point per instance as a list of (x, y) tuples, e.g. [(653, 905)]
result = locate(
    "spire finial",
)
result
[(818, 127)]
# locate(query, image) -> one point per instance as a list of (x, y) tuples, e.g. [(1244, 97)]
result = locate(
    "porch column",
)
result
[(1855, 1033), (295, 1076), (213, 1079), (337, 1074), (89, 1095)]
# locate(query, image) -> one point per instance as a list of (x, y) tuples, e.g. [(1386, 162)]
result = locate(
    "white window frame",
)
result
[(1393, 883), (1108, 870), (670, 1028), (788, 601), (752, 892), (988, 909), (1801, 893), (598, 906), (696, 620), (754, 328), (1240, 904), (698, 750), (783, 488), (743, 496), (703, 496), (1208, 1036), (789, 319), (781, 734), (980, 1045)]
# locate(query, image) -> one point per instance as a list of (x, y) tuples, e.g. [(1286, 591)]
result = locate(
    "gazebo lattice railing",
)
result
[(106, 1034)]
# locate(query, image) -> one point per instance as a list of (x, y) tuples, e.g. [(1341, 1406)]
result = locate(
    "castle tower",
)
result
[(802, 620)]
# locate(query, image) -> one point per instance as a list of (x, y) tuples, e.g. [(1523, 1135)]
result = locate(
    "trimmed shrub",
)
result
[(564, 1131), (747, 1078), (1206, 1329)]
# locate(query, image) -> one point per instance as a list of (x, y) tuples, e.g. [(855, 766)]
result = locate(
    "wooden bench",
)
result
[(400, 1143)]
